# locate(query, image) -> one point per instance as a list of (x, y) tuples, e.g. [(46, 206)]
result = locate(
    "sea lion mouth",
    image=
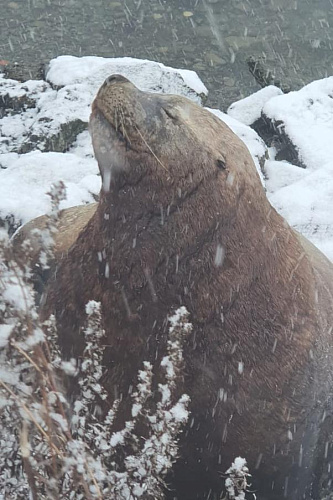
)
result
[(119, 132), (110, 146)]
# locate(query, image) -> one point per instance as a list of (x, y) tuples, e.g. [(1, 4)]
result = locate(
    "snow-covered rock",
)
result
[(305, 117), (248, 110), (301, 123), (150, 76), (53, 113), (305, 199), (24, 184)]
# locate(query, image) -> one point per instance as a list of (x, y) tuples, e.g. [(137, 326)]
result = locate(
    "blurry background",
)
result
[(292, 38)]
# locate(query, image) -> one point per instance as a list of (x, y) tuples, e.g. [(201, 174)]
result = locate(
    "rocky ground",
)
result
[(213, 37)]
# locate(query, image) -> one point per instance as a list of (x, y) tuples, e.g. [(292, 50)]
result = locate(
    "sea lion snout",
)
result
[(115, 78), (109, 147)]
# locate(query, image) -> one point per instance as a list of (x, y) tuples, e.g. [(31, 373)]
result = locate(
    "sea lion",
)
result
[(183, 220), (70, 223)]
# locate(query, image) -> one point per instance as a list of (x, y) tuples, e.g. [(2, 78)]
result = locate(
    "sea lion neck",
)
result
[(165, 217)]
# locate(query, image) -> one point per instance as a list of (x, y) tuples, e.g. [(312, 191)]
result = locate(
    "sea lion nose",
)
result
[(110, 80)]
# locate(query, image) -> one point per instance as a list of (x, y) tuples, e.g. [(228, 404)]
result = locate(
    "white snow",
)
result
[(15, 295), (116, 439), (303, 196), (236, 484), (280, 174), (136, 408), (166, 363), (179, 412), (306, 203), (308, 120), (147, 75), (17, 89), (5, 331), (36, 337), (249, 109), (93, 307), (24, 184), (239, 464)]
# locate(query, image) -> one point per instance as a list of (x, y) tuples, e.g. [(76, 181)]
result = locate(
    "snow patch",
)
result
[(249, 109)]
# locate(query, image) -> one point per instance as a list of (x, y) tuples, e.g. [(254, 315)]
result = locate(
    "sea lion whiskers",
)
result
[(152, 152), (122, 117), (116, 119)]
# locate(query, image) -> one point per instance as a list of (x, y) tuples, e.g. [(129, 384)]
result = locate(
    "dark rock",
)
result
[(9, 223), (18, 97), (16, 104), (59, 142), (263, 75), (23, 73), (274, 135)]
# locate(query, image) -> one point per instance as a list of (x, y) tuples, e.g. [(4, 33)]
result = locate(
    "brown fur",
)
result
[(182, 184), (70, 224)]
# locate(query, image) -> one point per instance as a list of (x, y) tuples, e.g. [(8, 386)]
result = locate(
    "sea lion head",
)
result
[(138, 133)]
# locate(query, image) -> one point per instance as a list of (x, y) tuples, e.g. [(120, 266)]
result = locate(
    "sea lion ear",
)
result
[(221, 163)]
